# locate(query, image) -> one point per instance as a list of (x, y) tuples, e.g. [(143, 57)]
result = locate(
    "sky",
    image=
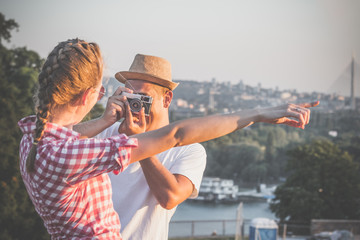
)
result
[(305, 45)]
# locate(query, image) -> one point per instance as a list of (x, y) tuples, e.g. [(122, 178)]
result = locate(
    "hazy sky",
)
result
[(293, 44)]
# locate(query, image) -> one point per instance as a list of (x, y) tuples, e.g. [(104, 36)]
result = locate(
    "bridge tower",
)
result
[(352, 86)]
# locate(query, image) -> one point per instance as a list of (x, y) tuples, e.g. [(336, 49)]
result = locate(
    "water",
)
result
[(202, 219), (210, 211)]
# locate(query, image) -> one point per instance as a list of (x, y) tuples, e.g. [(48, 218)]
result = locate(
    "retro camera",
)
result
[(137, 101)]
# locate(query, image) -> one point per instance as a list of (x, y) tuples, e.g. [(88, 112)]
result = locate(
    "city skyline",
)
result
[(302, 45)]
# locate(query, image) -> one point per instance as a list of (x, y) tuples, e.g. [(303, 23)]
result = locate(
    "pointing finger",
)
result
[(308, 105)]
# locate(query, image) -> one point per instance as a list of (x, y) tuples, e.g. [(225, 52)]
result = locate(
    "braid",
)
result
[(72, 67), (41, 120), (42, 106)]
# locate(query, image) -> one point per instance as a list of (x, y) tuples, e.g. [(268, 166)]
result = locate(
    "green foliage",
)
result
[(351, 144), (6, 26), (230, 160), (274, 141), (325, 183), (19, 70), (255, 172), (279, 135), (251, 155), (18, 75)]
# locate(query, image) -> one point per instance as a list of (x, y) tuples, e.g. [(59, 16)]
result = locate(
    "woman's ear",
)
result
[(85, 97), (168, 98)]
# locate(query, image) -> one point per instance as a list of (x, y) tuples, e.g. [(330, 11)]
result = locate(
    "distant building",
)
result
[(217, 189), (196, 99)]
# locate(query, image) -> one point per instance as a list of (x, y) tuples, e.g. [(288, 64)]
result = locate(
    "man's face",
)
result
[(158, 111)]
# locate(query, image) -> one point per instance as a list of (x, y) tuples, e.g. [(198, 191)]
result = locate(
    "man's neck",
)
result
[(159, 123)]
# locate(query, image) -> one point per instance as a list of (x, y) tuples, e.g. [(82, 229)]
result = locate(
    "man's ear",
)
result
[(168, 98)]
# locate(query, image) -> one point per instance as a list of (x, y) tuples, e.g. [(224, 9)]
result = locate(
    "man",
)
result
[(147, 193)]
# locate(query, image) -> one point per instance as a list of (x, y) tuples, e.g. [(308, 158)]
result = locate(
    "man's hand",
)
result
[(133, 125)]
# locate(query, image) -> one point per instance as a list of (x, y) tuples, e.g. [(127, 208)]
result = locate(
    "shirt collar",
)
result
[(28, 125)]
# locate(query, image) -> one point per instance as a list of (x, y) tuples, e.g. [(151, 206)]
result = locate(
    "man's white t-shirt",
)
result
[(141, 216)]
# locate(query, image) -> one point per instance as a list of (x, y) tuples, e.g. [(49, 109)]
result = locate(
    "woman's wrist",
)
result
[(254, 115), (246, 118), (257, 115), (103, 122)]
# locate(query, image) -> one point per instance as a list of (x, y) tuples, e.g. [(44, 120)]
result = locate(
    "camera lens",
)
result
[(135, 104)]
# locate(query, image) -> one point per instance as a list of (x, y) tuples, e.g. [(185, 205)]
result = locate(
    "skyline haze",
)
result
[(305, 45)]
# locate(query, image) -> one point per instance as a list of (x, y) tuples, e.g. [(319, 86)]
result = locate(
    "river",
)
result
[(200, 216), (211, 211)]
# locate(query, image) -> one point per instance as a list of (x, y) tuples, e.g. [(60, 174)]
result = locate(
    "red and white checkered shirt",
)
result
[(70, 188)]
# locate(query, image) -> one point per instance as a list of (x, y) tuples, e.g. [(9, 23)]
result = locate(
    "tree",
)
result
[(6, 26), (324, 183), (255, 172), (18, 74), (19, 69), (270, 155), (230, 161)]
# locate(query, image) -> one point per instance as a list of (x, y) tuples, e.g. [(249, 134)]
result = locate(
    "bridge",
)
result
[(348, 83)]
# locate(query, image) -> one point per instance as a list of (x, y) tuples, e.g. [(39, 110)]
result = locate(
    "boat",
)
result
[(214, 189)]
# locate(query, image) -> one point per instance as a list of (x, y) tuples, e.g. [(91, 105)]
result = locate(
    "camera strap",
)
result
[(131, 86)]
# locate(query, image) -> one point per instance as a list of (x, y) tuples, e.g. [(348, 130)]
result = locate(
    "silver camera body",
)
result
[(137, 101)]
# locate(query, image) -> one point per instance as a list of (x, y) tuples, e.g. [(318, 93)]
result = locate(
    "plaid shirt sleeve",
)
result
[(74, 161)]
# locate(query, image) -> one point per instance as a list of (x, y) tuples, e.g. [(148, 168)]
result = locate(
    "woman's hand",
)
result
[(294, 115), (115, 106)]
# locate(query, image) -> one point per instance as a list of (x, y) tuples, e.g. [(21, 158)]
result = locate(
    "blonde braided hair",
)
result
[(71, 68)]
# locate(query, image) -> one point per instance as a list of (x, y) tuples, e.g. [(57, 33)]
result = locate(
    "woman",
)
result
[(65, 174)]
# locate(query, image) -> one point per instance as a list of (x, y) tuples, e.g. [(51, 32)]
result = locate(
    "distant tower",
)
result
[(352, 87), (241, 85), (258, 88), (211, 100), (213, 81)]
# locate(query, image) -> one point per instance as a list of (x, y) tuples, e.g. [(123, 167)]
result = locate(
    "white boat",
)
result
[(223, 190)]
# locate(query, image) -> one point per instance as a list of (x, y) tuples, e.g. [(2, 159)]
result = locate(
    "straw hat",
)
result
[(149, 68)]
